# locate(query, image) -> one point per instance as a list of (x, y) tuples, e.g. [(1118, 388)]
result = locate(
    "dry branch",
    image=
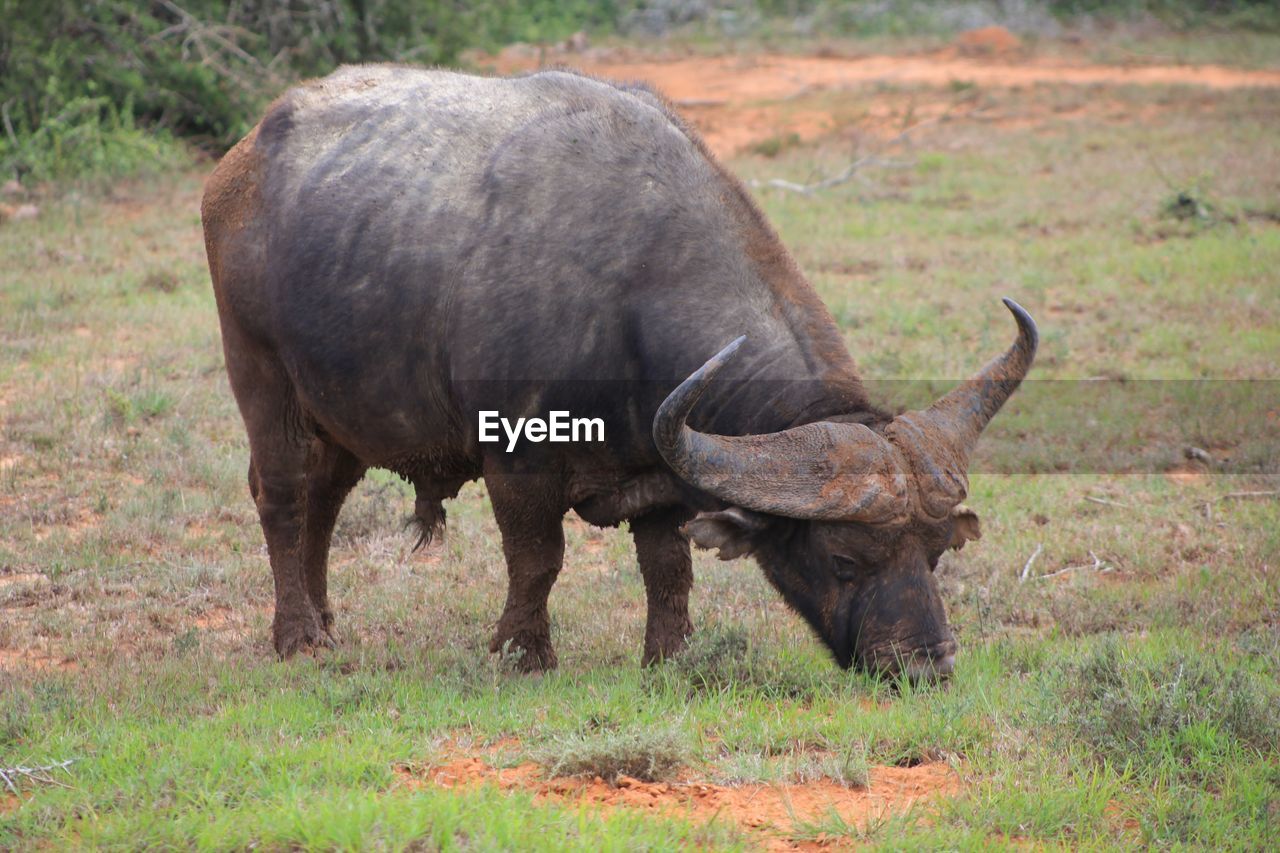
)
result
[(39, 774), (1105, 502), (1026, 569), (1246, 496), (851, 171), (1098, 565)]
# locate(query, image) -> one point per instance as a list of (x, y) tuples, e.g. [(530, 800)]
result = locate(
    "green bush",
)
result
[(89, 137), (83, 82), (79, 79)]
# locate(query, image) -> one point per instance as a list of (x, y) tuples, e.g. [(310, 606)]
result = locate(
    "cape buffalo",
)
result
[(395, 251)]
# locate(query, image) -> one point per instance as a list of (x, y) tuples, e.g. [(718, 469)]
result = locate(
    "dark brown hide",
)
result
[(395, 250)]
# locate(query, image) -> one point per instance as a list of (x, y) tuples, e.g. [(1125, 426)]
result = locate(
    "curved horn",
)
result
[(972, 405), (823, 470), (669, 430), (938, 440)]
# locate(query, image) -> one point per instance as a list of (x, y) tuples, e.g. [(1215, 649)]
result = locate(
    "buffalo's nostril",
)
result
[(923, 669), (933, 663)]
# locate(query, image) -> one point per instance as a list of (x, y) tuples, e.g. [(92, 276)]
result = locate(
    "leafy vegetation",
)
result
[(99, 89), (78, 77)]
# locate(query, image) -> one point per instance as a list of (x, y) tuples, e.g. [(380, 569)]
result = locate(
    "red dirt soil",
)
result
[(988, 41), (774, 811), (739, 100)]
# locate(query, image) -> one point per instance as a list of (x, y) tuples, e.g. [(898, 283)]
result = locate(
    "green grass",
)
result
[(1131, 706)]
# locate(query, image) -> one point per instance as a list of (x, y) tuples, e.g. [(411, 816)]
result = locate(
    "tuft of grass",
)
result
[(849, 767), (775, 145), (650, 755), (165, 281), (1180, 716), (144, 405), (717, 657)]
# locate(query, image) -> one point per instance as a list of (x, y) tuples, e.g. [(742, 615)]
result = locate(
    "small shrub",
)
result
[(718, 657), (644, 754), (1190, 206)]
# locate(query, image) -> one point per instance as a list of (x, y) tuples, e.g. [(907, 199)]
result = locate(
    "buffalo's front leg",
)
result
[(667, 568), (530, 517)]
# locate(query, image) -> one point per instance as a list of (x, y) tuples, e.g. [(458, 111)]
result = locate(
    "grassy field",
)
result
[(1118, 689)]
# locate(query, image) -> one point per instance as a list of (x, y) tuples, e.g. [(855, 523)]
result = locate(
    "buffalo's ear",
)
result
[(731, 530), (964, 526)]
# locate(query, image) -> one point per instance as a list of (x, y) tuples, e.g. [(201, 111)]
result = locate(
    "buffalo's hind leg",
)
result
[(667, 568), (281, 498), (332, 473), (280, 445), (529, 514)]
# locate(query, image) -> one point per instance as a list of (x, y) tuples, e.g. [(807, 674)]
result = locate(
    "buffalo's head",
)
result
[(848, 521)]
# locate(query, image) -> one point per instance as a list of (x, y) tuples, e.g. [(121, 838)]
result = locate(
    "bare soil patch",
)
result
[(22, 578), (776, 811), (988, 41), (14, 660), (1187, 475), (740, 100)]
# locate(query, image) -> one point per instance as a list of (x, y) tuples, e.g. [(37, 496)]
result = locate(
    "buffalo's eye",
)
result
[(848, 568)]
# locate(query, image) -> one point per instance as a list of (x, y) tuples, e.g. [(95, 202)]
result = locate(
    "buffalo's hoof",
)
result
[(665, 642), (525, 653), (297, 632)]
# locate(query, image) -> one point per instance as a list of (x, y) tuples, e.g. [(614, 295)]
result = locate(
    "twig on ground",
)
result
[(37, 774), (1026, 569), (1105, 502), (1098, 565), (1206, 507), (1245, 496), (851, 171)]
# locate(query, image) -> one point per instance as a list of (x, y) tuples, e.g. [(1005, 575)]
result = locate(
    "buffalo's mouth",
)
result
[(917, 663)]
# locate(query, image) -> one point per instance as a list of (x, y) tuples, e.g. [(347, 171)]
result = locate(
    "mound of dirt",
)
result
[(775, 811), (988, 42)]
